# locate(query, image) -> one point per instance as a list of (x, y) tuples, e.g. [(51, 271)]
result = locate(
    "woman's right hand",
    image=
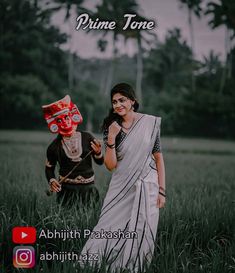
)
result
[(114, 129)]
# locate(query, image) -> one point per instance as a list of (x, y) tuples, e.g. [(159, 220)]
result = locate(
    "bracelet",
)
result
[(51, 181), (98, 156), (111, 146), (161, 188), (162, 194)]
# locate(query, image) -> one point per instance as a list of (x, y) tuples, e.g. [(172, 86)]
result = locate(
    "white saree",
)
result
[(130, 202)]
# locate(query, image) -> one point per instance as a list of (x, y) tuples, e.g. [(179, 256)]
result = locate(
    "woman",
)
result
[(73, 150), (128, 222)]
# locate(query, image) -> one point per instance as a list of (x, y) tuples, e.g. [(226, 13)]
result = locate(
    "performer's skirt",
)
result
[(72, 195)]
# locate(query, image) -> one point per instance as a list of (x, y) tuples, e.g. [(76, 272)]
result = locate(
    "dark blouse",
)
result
[(121, 135), (56, 153)]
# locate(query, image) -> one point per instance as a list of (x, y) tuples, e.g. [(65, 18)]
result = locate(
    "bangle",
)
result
[(162, 194), (51, 181), (98, 156), (111, 146), (161, 188)]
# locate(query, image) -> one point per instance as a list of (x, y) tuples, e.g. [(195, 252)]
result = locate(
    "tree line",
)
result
[(194, 97)]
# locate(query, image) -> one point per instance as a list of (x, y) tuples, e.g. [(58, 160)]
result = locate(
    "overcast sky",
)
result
[(167, 14)]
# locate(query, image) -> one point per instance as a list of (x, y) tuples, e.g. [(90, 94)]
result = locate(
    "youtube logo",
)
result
[(24, 235)]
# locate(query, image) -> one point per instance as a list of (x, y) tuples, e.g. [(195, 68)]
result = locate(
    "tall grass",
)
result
[(196, 228)]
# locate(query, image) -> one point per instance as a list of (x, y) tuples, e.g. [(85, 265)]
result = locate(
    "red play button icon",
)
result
[(24, 235)]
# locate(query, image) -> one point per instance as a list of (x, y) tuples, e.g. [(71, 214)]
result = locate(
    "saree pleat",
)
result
[(130, 202)]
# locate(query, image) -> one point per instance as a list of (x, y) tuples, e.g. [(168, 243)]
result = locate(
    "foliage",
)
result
[(208, 112), (68, 5), (20, 99), (223, 13), (34, 69), (169, 63), (91, 104), (30, 45), (193, 5)]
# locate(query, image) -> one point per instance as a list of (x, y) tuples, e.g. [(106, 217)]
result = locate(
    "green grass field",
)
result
[(196, 228)]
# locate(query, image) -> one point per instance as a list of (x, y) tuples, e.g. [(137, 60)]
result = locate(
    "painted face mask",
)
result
[(62, 116)]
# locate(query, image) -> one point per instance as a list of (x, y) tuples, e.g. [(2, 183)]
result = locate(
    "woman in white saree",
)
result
[(125, 233)]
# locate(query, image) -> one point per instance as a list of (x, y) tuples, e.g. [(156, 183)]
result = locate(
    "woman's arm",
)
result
[(161, 178), (110, 157)]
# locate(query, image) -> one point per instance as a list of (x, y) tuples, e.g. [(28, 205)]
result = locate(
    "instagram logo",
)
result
[(23, 257)]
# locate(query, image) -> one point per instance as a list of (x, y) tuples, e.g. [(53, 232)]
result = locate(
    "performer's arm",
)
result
[(110, 157), (50, 163), (97, 155), (50, 168)]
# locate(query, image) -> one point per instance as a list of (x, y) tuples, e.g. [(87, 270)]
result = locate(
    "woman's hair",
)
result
[(125, 90)]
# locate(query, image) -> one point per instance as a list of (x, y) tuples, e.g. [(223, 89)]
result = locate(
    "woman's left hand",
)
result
[(161, 200), (96, 146)]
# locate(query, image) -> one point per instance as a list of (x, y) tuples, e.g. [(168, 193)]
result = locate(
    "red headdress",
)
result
[(58, 109)]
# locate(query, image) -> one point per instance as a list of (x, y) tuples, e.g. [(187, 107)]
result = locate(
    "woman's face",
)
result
[(121, 104)]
